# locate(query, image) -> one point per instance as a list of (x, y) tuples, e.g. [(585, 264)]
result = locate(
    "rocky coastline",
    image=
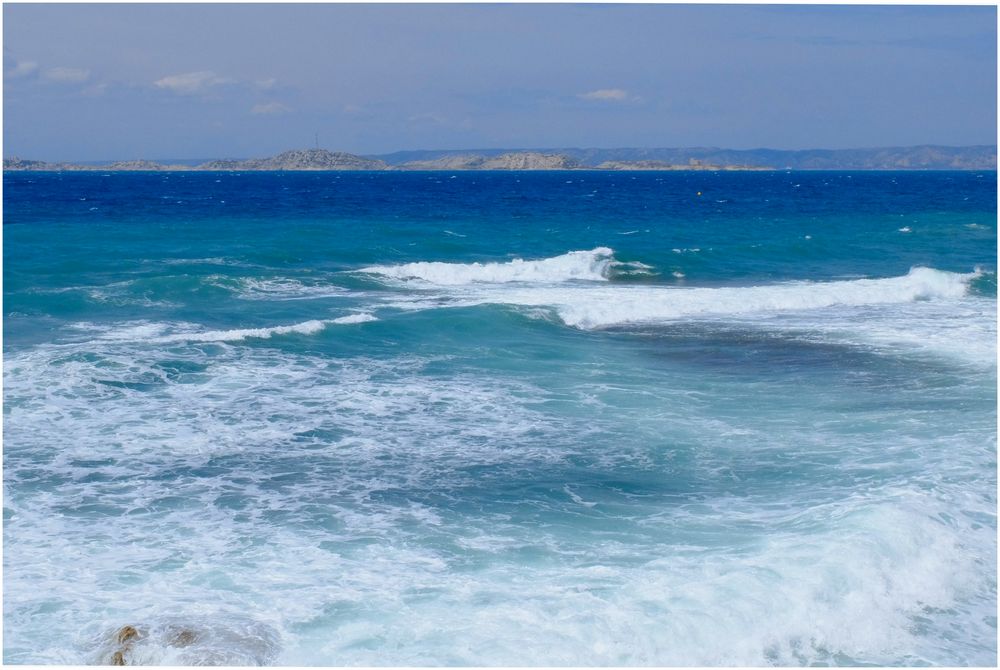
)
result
[(901, 158)]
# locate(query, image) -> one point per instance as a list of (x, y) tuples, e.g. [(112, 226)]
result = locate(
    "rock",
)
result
[(127, 633), (220, 639), (181, 638)]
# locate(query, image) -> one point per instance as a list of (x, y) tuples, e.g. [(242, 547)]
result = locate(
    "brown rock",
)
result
[(182, 638), (127, 633)]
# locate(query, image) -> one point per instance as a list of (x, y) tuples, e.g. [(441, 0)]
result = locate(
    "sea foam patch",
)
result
[(423, 503)]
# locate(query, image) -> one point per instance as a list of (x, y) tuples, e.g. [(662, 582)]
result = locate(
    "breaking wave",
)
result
[(608, 306), (593, 265)]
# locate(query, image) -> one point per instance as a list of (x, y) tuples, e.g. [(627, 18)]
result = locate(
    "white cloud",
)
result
[(22, 69), (191, 82), (66, 75), (608, 94), (270, 108), (265, 84)]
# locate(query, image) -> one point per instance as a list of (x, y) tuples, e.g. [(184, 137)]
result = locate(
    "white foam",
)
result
[(275, 288), (926, 309), (305, 328), (165, 333), (963, 331), (849, 575), (590, 265), (363, 317), (129, 332), (597, 307), (632, 268)]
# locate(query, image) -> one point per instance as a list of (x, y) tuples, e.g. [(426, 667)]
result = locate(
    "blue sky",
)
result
[(95, 82)]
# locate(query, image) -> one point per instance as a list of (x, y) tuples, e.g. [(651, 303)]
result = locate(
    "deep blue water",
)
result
[(484, 418)]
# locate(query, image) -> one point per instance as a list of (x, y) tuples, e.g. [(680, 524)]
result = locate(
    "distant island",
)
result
[(925, 157), (321, 159)]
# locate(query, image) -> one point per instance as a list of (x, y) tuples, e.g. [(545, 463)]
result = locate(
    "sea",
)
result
[(500, 418)]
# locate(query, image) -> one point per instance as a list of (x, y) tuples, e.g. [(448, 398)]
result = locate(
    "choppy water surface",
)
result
[(500, 418)]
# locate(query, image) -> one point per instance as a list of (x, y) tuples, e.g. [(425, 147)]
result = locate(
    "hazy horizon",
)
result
[(106, 82)]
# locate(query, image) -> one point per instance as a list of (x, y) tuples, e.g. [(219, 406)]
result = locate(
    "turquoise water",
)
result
[(501, 418)]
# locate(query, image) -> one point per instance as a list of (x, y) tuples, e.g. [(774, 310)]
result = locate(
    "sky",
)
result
[(122, 81)]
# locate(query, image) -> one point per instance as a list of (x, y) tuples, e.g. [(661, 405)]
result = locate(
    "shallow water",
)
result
[(501, 418)]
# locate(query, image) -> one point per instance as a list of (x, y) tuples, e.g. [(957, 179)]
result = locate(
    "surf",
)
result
[(589, 306), (592, 265)]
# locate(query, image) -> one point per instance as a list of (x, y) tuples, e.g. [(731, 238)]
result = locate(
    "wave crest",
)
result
[(599, 306), (593, 265), (590, 309)]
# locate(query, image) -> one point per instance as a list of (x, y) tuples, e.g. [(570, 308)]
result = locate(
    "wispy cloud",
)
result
[(606, 94), (270, 108), (66, 75), (189, 83), (22, 69)]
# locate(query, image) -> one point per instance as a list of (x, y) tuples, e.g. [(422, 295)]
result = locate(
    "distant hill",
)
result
[(692, 164), (15, 163), (303, 159), (523, 160), (925, 157)]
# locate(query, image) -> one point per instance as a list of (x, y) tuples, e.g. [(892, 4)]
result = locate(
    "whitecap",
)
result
[(608, 306), (590, 265), (305, 328), (363, 317)]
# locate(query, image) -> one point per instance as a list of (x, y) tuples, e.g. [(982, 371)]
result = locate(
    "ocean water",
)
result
[(558, 418)]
